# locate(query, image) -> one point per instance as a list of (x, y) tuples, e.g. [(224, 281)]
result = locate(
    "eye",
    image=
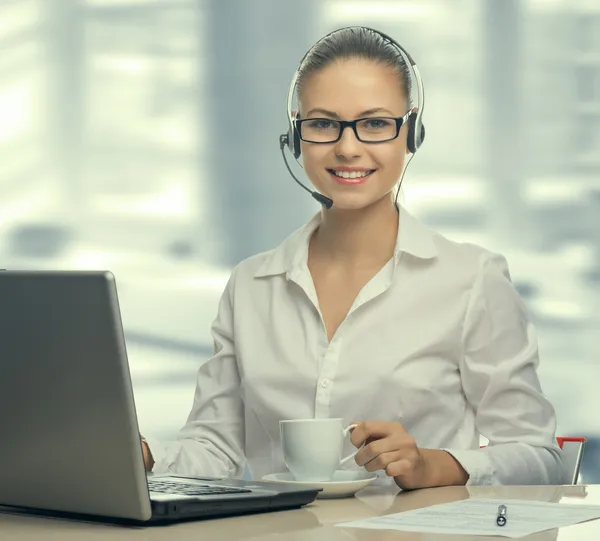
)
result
[(320, 124), (377, 123)]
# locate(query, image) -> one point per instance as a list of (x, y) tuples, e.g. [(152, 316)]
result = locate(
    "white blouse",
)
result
[(439, 341)]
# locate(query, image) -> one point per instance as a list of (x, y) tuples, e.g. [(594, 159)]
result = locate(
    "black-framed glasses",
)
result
[(367, 130)]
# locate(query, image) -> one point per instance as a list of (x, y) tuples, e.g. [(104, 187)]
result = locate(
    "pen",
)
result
[(501, 519)]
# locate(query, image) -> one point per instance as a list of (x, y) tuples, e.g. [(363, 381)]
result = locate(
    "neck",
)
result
[(366, 236)]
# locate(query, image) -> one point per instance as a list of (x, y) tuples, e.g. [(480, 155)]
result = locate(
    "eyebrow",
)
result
[(335, 115)]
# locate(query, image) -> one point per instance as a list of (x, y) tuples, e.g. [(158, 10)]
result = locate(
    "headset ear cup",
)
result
[(290, 139), (296, 142), (411, 142), (414, 139)]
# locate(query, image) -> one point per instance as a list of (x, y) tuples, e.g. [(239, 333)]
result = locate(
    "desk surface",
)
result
[(314, 522)]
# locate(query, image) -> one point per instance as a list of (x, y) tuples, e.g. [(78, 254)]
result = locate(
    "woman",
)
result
[(367, 315)]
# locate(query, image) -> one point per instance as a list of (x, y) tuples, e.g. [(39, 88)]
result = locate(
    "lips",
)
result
[(350, 176)]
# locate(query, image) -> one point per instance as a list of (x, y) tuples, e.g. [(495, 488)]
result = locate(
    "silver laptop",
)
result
[(69, 440)]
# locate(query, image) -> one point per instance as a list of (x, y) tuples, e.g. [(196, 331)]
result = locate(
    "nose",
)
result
[(348, 146)]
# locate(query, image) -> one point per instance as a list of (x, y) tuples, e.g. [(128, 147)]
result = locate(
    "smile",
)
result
[(350, 177), (351, 174)]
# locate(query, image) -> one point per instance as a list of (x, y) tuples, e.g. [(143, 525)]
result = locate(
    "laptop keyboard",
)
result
[(191, 489)]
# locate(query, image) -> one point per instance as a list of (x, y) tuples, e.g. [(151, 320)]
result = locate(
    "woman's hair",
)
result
[(354, 43)]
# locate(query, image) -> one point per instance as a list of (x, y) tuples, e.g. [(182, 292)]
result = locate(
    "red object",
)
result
[(562, 440)]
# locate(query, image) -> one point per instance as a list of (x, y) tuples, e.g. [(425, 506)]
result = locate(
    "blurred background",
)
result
[(141, 136)]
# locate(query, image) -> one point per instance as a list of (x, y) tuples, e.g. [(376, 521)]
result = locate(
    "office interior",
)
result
[(141, 136)]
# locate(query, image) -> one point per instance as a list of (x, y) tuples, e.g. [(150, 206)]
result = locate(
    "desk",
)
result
[(314, 522)]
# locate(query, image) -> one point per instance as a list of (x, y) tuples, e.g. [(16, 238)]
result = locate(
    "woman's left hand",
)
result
[(389, 447)]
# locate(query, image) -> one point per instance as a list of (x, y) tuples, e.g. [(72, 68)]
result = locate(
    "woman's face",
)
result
[(346, 90)]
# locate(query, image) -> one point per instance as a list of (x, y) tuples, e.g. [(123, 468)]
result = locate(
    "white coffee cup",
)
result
[(312, 448)]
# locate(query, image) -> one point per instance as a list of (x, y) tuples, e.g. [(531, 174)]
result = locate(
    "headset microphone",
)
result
[(324, 200)]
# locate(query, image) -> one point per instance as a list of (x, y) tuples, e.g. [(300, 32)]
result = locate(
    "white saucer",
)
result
[(344, 483)]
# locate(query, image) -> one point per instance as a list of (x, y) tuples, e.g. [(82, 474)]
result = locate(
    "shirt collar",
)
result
[(413, 238)]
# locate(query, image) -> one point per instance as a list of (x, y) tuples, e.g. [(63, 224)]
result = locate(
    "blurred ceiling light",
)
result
[(358, 12), (34, 202), (439, 193), (88, 259), (128, 64), (176, 133), (19, 16), (173, 201), (15, 111), (560, 309), (554, 191), (211, 278), (113, 3), (572, 7)]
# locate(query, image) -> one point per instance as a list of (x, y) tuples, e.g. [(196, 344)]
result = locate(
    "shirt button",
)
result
[(325, 383)]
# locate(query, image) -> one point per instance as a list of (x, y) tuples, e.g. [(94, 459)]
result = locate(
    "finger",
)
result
[(358, 435), (382, 461), (399, 467), (375, 448), (372, 429), (353, 436)]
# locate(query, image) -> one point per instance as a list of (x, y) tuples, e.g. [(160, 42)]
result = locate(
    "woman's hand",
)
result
[(148, 460), (389, 447)]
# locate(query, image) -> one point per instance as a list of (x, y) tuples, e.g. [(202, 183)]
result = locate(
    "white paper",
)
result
[(478, 517)]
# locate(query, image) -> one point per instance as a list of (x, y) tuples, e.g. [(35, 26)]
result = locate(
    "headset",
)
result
[(416, 128)]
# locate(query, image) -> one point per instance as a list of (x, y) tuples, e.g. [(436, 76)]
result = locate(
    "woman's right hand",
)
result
[(148, 460)]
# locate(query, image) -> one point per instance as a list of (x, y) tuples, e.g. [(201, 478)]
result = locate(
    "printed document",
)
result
[(478, 517)]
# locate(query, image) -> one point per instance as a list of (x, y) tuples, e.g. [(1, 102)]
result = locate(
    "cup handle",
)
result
[(346, 431)]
